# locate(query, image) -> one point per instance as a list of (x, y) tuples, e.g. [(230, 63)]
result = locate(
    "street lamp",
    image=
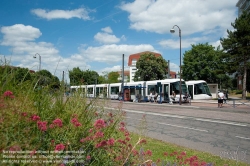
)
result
[(172, 31), (39, 60)]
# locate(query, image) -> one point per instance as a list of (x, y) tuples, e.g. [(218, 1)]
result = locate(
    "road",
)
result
[(223, 132)]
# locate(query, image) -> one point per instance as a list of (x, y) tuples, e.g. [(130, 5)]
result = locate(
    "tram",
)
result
[(198, 90), (132, 91)]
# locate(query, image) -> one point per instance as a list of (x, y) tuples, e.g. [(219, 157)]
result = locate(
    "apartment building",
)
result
[(243, 5)]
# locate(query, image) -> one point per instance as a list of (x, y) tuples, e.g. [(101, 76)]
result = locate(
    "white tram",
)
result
[(198, 90)]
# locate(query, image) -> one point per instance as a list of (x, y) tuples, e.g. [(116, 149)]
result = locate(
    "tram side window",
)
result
[(152, 88), (132, 91), (90, 90), (114, 90), (199, 89), (174, 87)]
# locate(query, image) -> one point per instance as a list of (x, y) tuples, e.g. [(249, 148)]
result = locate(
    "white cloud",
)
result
[(106, 38), (80, 13), (107, 30), (191, 16), (112, 53), (21, 39)]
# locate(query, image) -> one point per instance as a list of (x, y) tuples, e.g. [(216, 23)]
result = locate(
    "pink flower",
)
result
[(101, 144), (88, 157), (24, 114), (8, 94), (57, 122), (122, 124), (51, 126), (90, 130), (42, 125), (75, 122), (100, 123), (35, 118), (33, 152), (99, 134), (149, 152), (15, 148), (59, 147), (111, 141)]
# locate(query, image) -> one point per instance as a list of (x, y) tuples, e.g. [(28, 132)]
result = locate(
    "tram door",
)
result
[(166, 92), (190, 90)]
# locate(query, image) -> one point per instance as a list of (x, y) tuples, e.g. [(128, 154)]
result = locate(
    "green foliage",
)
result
[(79, 77), (113, 77), (237, 48), (150, 67), (203, 62)]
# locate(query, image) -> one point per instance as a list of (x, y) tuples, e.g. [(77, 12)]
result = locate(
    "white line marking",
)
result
[(222, 122), (190, 128), (185, 117), (242, 137)]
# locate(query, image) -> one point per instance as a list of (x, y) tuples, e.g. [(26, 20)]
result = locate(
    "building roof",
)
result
[(137, 56)]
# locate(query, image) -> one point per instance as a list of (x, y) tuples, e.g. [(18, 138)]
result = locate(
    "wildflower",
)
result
[(135, 152), (101, 144), (165, 153), (33, 152), (183, 153), (122, 129), (75, 122), (88, 157), (99, 134), (59, 147), (24, 114), (51, 126), (149, 153), (143, 141), (15, 148), (8, 94), (90, 130), (57, 122), (100, 123), (110, 114), (127, 139), (111, 142), (122, 124), (42, 125), (35, 118)]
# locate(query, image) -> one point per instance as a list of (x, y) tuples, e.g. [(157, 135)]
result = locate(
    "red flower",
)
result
[(24, 114), (57, 122), (42, 125), (35, 118), (8, 94), (100, 123), (165, 153), (149, 152), (33, 152), (15, 148), (59, 147), (143, 141), (122, 124), (135, 152), (75, 122), (88, 157), (99, 134), (111, 141)]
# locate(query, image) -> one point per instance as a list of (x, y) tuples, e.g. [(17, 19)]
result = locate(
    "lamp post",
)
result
[(39, 60), (172, 31)]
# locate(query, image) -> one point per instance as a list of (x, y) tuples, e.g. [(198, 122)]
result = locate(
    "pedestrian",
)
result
[(220, 99), (226, 96), (155, 97), (151, 97)]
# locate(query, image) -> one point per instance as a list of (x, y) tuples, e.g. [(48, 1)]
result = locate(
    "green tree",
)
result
[(203, 62), (90, 77), (47, 79), (76, 76), (150, 67), (113, 77), (237, 48)]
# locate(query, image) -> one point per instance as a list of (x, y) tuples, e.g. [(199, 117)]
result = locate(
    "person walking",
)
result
[(220, 99)]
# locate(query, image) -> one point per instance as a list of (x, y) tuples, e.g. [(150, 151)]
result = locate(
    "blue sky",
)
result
[(93, 34)]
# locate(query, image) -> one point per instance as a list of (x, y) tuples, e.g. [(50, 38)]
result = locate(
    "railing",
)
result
[(237, 102)]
